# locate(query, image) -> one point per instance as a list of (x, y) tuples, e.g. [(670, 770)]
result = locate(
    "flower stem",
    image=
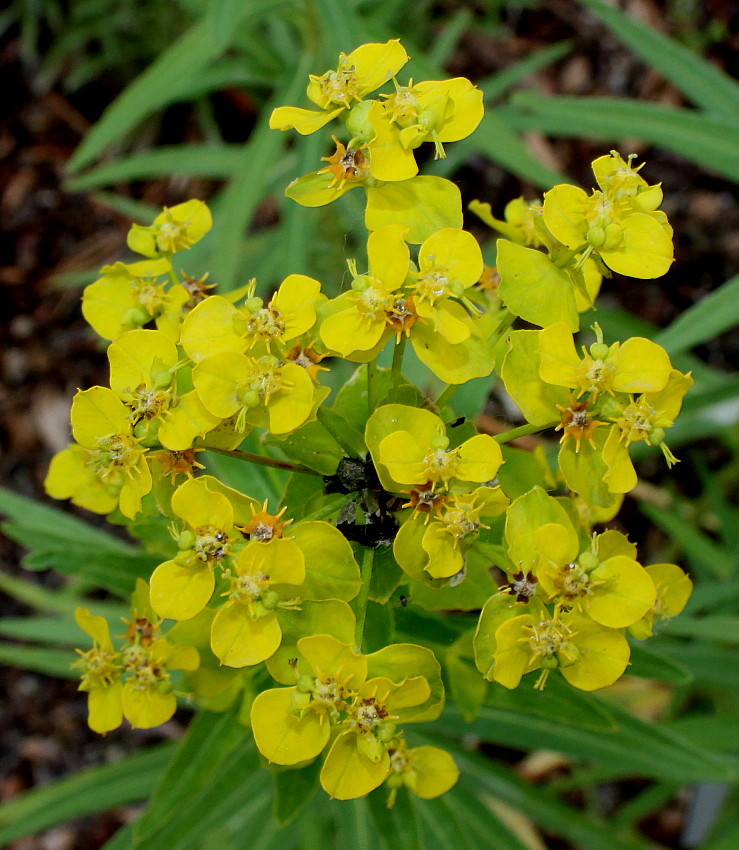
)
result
[(250, 457), (521, 431), (371, 386), (347, 437), (360, 603), (396, 372), (446, 395)]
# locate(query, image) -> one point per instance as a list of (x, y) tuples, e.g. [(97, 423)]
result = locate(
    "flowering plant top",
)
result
[(271, 605)]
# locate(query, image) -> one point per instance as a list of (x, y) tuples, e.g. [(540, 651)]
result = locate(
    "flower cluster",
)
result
[(246, 596)]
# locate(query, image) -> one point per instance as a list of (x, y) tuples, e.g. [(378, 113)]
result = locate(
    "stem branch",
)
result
[(363, 597), (250, 457)]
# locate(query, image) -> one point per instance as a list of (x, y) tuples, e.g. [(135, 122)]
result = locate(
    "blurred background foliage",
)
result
[(116, 109)]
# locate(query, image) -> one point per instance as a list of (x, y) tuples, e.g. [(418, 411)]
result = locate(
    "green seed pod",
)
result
[(656, 436), (596, 237), (599, 351), (358, 124), (305, 684), (270, 600), (588, 561), (186, 541)]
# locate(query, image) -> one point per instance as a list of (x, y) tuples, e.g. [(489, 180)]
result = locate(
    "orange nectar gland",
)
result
[(264, 526), (176, 463), (425, 500), (304, 356), (402, 316), (551, 647), (197, 288), (576, 423), (345, 164), (141, 631)]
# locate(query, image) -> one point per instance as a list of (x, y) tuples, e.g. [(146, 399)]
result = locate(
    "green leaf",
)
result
[(153, 89), (398, 827), (483, 778), (213, 161), (699, 80), (210, 740), (354, 827), (712, 142), (41, 630), (293, 789), (717, 628), (649, 663), (633, 748), (711, 559), (52, 662), (497, 84), (85, 792), (713, 314), (49, 521)]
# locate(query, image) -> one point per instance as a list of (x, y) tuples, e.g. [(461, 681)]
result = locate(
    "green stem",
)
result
[(446, 395), (326, 511), (250, 457), (371, 387), (173, 277), (396, 372), (340, 431), (521, 431), (360, 602)]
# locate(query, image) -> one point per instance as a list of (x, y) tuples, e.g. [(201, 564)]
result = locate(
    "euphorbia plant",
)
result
[(272, 605)]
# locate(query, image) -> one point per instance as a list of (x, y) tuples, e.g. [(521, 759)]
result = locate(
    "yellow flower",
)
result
[(357, 321), (627, 238), (643, 420), (278, 397), (357, 74), (636, 366), (587, 654), (182, 587), (673, 591), (216, 325), (107, 467), (129, 296), (175, 229), (101, 674), (427, 771)]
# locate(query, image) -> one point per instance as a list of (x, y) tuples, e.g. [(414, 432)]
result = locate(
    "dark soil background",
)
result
[(47, 351)]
